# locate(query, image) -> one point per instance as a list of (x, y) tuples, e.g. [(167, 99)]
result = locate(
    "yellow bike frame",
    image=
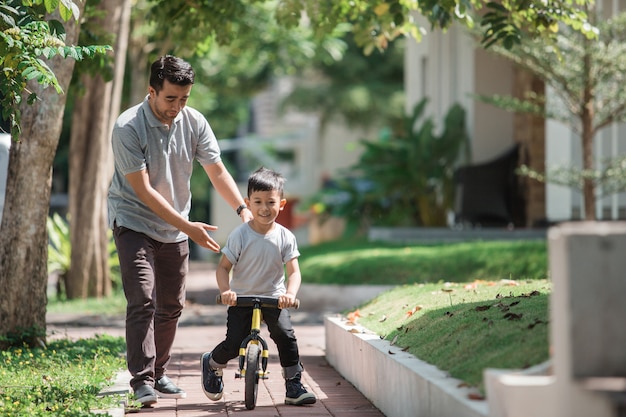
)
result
[(255, 330)]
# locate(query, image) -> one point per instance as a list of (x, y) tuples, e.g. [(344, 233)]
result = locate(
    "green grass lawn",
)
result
[(465, 328), (113, 305), (360, 262), (462, 307)]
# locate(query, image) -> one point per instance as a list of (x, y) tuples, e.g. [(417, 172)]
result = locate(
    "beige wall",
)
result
[(440, 67), (448, 68), (340, 148), (493, 127)]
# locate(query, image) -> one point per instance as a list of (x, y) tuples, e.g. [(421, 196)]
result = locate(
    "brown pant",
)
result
[(153, 277)]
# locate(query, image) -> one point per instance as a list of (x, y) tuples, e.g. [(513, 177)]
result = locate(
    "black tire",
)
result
[(253, 357)]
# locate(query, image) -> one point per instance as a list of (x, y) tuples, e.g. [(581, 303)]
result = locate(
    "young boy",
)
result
[(258, 252)]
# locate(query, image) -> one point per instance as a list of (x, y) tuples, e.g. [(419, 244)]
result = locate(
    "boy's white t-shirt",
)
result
[(259, 260)]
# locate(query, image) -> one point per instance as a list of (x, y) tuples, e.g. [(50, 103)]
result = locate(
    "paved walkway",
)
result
[(202, 327)]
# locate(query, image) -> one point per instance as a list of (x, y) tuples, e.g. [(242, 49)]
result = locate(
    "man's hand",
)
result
[(199, 233)]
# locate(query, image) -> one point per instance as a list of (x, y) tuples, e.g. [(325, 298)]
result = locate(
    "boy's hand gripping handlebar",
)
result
[(262, 300)]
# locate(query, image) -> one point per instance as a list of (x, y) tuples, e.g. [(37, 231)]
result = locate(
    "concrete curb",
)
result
[(120, 387), (396, 382)]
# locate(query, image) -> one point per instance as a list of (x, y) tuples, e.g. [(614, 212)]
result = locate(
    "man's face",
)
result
[(167, 103)]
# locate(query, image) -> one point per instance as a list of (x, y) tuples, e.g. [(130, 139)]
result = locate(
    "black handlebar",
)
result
[(251, 300)]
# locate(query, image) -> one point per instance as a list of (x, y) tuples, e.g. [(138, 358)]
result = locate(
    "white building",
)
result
[(449, 67)]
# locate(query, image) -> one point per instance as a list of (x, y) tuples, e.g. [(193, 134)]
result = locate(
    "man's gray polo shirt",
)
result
[(141, 141)]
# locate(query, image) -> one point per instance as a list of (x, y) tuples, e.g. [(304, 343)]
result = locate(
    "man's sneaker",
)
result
[(296, 393), (212, 383), (165, 388), (145, 395)]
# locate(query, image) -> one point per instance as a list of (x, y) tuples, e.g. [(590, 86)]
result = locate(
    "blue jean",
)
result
[(153, 277)]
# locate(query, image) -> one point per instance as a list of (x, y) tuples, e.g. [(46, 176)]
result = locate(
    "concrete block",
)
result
[(587, 267), (512, 393)]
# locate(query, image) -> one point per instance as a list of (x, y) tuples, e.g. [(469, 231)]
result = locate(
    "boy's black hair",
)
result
[(265, 179), (173, 69)]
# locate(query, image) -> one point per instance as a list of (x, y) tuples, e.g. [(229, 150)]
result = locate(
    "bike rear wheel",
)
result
[(253, 357)]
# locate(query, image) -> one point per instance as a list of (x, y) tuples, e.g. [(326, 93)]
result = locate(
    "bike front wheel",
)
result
[(253, 358)]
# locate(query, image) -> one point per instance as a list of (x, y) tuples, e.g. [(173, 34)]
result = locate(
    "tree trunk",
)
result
[(529, 132), (91, 164), (138, 70), (589, 187), (24, 240), (141, 53)]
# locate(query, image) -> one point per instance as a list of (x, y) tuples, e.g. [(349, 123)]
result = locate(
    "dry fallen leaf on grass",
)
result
[(513, 316), (383, 318), (536, 322), (353, 316), (413, 311), (476, 283), (394, 340)]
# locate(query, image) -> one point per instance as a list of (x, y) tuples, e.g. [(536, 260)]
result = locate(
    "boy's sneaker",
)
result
[(165, 388), (145, 395), (212, 383), (296, 393)]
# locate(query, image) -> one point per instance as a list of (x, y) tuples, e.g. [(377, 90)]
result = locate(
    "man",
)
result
[(154, 147)]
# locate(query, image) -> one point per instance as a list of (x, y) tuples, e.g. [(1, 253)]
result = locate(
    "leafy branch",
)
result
[(611, 177), (26, 41)]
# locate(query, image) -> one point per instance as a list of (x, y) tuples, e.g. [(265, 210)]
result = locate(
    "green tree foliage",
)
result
[(376, 23), (588, 78), (360, 90), (507, 22), (236, 49), (26, 40), (60, 254), (232, 73)]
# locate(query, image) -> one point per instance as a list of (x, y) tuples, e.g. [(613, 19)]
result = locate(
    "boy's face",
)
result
[(265, 205)]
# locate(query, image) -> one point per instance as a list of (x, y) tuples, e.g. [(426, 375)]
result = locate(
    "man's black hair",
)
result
[(265, 179), (173, 69)]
